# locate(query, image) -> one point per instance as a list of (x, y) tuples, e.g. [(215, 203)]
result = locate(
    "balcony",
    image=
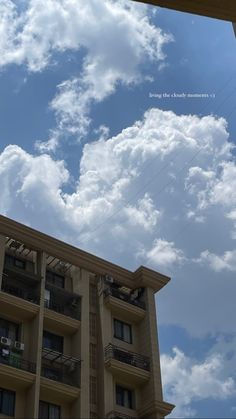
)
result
[(21, 284), (128, 298), (59, 367), (7, 357), (130, 304), (118, 415), (127, 365), (132, 358), (62, 301)]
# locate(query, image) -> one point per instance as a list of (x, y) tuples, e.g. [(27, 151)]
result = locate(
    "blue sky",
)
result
[(87, 155)]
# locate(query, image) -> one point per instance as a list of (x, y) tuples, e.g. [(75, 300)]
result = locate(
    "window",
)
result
[(92, 324), (124, 397), (55, 279), (9, 329), (93, 389), (49, 410), (51, 341), (7, 402), (93, 295), (13, 261), (122, 331), (93, 356)]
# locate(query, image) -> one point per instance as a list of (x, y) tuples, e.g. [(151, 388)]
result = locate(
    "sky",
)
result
[(117, 135)]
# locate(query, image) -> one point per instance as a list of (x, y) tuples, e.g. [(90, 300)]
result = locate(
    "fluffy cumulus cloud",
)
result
[(187, 380), (219, 263), (149, 195), (131, 203), (116, 37), (163, 253)]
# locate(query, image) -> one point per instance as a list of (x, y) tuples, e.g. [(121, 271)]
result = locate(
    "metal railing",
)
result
[(17, 362), (75, 313), (19, 292), (118, 415), (114, 292), (59, 375), (131, 358)]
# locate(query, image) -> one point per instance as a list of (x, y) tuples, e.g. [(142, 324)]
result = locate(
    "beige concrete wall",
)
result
[(152, 390), (84, 292), (2, 254)]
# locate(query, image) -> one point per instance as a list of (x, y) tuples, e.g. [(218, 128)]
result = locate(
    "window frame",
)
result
[(11, 260), (58, 341), (11, 393), (120, 324), (7, 325), (52, 277), (48, 405), (127, 397)]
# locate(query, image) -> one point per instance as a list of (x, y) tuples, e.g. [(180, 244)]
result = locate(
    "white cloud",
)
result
[(218, 263), (116, 38), (131, 202), (186, 380), (163, 253)]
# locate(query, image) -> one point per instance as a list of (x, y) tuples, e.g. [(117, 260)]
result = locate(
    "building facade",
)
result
[(78, 335), (218, 9)]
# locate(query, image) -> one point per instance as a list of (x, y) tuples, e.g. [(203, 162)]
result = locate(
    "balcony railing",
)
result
[(118, 415), (19, 292), (131, 358), (17, 362), (59, 375), (114, 292), (59, 367), (63, 309)]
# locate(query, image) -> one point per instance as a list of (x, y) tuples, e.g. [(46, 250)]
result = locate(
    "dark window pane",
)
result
[(124, 397), (54, 411), (119, 396), (19, 263), (7, 402), (118, 329), (127, 333), (122, 331), (9, 329), (49, 411), (43, 410), (55, 279), (52, 341)]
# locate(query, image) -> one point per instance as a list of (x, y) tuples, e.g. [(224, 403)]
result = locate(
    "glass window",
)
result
[(93, 390), (20, 263), (9, 329), (55, 279), (7, 402), (13, 261), (93, 356), (122, 331), (49, 410), (92, 324), (52, 341), (124, 397)]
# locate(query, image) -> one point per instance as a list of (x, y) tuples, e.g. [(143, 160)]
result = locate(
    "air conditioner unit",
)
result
[(19, 346), (5, 341)]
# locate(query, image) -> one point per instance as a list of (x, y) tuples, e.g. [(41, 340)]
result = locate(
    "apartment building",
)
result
[(218, 9), (78, 335)]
